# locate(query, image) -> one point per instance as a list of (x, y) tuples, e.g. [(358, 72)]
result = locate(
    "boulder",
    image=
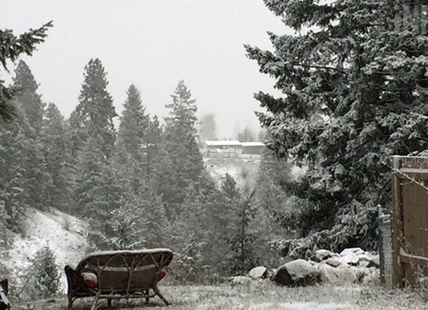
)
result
[(365, 260), (349, 258), (320, 255), (344, 274), (376, 260), (258, 272), (355, 251), (364, 263), (333, 262), (297, 273)]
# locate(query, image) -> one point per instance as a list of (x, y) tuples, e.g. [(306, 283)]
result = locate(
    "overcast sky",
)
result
[(153, 44)]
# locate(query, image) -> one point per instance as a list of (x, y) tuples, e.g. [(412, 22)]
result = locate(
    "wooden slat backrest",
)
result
[(125, 271)]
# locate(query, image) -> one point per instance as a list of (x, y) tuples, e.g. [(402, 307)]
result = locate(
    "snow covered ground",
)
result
[(63, 233), (258, 296), (242, 169), (66, 236)]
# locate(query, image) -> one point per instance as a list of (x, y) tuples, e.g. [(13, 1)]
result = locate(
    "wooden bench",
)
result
[(118, 274)]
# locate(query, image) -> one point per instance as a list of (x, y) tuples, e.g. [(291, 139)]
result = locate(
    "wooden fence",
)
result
[(409, 220)]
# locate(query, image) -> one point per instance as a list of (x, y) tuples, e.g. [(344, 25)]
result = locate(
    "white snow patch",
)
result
[(301, 306), (64, 234)]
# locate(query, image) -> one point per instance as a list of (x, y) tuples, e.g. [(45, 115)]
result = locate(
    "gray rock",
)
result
[(355, 251), (320, 255), (349, 258), (333, 262), (364, 263), (297, 273), (375, 260), (258, 272)]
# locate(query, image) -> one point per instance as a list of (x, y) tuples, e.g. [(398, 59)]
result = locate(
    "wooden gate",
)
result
[(409, 219)]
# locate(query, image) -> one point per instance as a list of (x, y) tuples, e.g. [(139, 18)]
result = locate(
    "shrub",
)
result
[(44, 276)]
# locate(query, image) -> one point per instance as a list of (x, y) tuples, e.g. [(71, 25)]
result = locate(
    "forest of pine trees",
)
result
[(354, 92), (141, 185)]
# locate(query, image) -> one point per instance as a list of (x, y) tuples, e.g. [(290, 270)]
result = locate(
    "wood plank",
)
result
[(396, 224)]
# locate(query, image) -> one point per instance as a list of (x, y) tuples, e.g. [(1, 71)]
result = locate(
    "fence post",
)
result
[(385, 248)]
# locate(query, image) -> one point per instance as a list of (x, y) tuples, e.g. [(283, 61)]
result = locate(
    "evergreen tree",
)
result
[(272, 173), (31, 112), (182, 163), (96, 108), (355, 93), (240, 238), (10, 49), (127, 224), (11, 173), (158, 228), (132, 146), (6, 239), (277, 216), (97, 191), (54, 140), (45, 278), (220, 209)]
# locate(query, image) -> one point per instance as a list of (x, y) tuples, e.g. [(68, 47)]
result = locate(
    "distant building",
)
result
[(232, 148), (226, 148), (254, 148)]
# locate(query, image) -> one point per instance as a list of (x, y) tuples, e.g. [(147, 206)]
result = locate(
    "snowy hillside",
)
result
[(63, 233), (243, 170), (66, 235)]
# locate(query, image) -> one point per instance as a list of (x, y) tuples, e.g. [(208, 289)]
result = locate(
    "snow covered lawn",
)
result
[(260, 296)]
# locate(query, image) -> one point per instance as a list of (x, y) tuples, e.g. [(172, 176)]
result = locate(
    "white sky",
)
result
[(153, 44)]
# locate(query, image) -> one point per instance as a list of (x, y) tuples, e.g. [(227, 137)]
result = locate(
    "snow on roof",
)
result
[(252, 144), (223, 143)]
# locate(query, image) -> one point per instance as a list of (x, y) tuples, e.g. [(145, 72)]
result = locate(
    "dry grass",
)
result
[(257, 296)]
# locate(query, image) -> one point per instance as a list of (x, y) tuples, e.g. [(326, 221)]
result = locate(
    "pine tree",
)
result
[(11, 173), (239, 236), (96, 108), (128, 225), (55, 151), (277, 215), (97, 191), (132, 146), (11, 47), (158, 228), (6, 238), (355, 93), (30, 118), (44, 274), (182, 163), (272, 173)]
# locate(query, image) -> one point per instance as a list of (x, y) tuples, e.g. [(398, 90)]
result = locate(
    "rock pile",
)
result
[(352, 265)]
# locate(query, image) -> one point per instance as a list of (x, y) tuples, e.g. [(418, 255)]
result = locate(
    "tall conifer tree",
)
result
[(355, 93), (132, 144), (182, 163), (97, 191), (31, 113), (56, 154)]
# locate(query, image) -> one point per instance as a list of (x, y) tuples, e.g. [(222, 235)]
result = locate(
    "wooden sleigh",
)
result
[(118, 275)]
